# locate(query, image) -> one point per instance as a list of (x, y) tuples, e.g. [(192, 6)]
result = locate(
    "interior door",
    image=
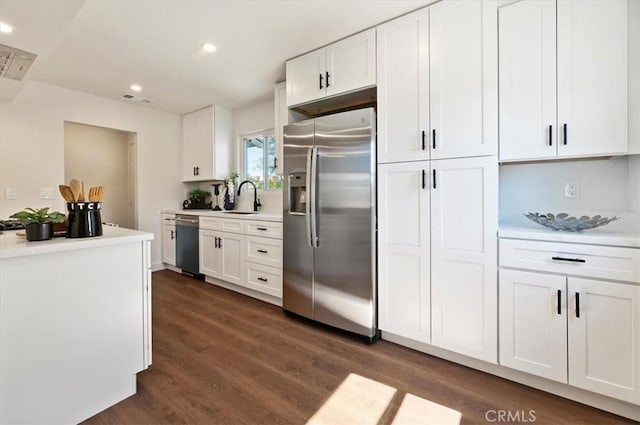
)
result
[(297, 252), (344, 283)]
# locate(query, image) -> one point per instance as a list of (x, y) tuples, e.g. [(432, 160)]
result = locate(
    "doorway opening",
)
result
[(99, 156)]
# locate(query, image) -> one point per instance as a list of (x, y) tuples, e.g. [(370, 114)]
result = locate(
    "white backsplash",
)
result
[(604, 185)]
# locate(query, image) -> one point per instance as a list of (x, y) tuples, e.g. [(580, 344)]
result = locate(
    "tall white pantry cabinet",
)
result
[(438, 177)]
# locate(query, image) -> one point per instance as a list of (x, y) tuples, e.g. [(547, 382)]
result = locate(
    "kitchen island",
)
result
[(75, 324)]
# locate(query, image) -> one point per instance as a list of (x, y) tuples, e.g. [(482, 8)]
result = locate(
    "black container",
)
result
[(84, 219), (39, 231)]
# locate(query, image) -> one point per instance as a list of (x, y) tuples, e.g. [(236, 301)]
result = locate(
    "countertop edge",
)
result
[(259, 216)]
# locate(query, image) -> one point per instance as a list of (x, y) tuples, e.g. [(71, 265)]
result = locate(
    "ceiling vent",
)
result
[(14, 63), (134, 98)]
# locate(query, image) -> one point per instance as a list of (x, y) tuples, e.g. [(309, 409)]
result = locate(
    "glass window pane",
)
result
[(274, 181), (254, 160)]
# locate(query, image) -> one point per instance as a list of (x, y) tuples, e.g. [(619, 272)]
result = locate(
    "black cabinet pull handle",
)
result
[(424, 176), (262, 279), (578, 304), (215, 241), (434, 178), (173, 233), (559, 301), (194, 171), (320, 75), (550, 135), (219, 242), (327, 81), (275, 161), (261, 228), (564, 133), (572, 260), (433, 138), (423, 140), (262, 251)]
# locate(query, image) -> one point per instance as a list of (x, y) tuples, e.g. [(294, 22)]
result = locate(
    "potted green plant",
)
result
[(198, 196), (38, 223)]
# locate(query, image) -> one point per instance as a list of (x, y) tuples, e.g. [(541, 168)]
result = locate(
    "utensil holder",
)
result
[(84, 219)]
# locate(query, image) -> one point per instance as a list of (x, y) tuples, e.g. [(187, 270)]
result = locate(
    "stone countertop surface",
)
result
[(12, 245), (624, 232), (260, 216)]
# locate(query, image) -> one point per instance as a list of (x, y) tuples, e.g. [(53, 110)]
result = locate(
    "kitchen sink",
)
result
[(238, 212)]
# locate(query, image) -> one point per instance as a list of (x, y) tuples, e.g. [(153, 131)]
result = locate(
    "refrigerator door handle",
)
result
[(308, 183), (312, 200)]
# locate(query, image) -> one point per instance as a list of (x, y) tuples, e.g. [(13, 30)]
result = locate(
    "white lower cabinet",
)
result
[(264, 279), (437, 253), (169, 239), (583, 332), (222, 256)]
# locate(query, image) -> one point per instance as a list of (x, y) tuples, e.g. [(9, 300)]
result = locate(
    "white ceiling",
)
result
[(102, 47)]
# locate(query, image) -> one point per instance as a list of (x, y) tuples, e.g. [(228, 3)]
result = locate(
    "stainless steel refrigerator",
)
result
[(329, 219)]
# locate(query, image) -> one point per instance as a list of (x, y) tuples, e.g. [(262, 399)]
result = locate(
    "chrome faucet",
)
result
[(256, 201)]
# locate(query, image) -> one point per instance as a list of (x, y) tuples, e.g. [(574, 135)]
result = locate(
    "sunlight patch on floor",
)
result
[(362, 401)]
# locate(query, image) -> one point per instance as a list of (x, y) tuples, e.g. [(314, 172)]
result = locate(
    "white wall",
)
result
[(539, 187), (255, 117), (99, 156), (32, 149), (634, 183)]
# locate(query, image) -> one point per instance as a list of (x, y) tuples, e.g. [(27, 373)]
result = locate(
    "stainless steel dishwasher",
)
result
[(187, 246)]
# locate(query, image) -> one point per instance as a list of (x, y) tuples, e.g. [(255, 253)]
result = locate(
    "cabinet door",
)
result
[(592, 77), (281, 118), (351, 63), (527, 63), (203, 152), (533, 323), (403, 250), (232, 258), (403, 88), (169, 244), (604, 342), (306, 78), (464, 71), (189, 143), (210, 254), (464, 284)]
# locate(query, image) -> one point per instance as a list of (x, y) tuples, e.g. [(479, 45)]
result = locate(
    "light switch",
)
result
[(10, 193)]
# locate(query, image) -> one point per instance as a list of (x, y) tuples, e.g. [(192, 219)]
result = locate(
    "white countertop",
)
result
[(263, 216), (12, 245), (623, 232)]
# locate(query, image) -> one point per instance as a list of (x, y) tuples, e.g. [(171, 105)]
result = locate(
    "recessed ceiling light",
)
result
[(5, 28), (135, 87), (208, 47)]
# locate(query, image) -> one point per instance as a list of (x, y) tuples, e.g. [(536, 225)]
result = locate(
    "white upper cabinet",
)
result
[(403, 88), (437, 83), (463, 71), (464, 253), (344, 66), (528, 80), (590, 78), (206, 144)]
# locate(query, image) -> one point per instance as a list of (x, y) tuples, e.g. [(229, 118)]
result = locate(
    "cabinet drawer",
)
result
[(613, 263), (267, 229), (264, 251), (168, 218), (264, 279), (222, 224)]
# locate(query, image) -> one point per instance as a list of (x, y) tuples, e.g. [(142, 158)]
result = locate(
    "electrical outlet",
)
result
[(10, 193), (46, 193), (572, 189)]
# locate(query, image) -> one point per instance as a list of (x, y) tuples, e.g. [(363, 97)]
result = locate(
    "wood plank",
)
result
[(221, 357)]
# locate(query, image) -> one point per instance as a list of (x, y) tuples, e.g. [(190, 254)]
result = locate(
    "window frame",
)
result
[(242, 160)]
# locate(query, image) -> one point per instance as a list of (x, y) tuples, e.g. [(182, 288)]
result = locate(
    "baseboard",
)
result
[(156, 267), (244, 291), (608, 404)]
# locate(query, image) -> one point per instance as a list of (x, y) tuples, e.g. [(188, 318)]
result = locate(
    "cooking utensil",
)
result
[(75, 189), (81, 194), (95, 194), (66, 193)]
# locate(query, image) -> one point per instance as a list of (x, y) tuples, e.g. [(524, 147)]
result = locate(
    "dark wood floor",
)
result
[(222, 358)]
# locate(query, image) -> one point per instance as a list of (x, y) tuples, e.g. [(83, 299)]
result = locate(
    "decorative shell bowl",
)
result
[(564, 221)]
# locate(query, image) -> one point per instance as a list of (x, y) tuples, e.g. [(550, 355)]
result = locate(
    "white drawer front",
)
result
[(265, 279), (233, 226), (264, 251), (267, 229), (222, 224), (210, 223), (168, 218), (613, 263)]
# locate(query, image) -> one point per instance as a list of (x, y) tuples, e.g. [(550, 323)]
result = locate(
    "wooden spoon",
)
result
[(81, 194), (75, 189), (66, 193)]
